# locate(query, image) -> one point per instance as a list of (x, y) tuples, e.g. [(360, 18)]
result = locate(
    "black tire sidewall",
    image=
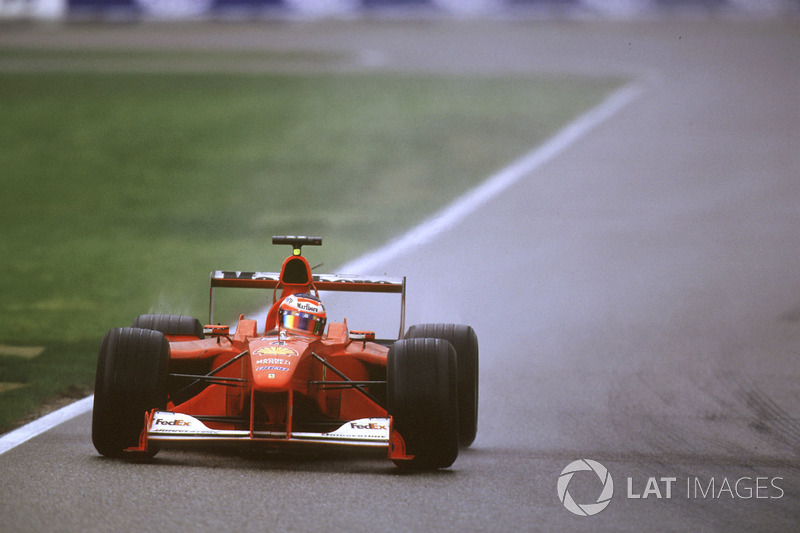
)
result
[(423, 400), (465, 341), (170, 324), (131, 380)]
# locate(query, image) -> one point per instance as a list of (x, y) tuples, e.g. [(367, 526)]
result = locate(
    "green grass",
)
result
[(121, 191)]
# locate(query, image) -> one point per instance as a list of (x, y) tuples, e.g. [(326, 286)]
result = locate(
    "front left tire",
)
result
[(465, 342), (422, 398)]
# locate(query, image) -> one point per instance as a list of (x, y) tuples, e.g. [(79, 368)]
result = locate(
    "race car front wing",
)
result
[(165, 427)]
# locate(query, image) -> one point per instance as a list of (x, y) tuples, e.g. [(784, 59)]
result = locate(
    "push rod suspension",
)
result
[(348, 382), (210, 376)]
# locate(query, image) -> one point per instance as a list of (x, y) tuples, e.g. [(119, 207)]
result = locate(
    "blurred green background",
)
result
[(122, 189)]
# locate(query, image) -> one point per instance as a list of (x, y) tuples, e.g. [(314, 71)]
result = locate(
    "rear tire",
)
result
[(170, 325), (423, 401), (465, 342), (131, 380)]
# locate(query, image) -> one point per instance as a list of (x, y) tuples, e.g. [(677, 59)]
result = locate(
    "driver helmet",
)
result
[(302, 314)]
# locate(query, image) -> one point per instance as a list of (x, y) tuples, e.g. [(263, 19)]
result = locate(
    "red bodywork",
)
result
[(262, 385)]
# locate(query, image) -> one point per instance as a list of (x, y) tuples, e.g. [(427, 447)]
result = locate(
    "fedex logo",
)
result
[(371, 425), (162, 422)]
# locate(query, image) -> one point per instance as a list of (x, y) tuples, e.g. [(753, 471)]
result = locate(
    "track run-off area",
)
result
[(635, 288)]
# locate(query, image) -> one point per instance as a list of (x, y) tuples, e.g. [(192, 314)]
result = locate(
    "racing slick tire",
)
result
[(179, 325), (422, 398), (131, 380), (465, 342)]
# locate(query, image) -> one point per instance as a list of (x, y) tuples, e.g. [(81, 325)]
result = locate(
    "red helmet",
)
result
[(302, 314)]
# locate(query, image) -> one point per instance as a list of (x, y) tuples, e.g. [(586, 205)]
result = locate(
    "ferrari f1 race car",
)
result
[(169, 381)]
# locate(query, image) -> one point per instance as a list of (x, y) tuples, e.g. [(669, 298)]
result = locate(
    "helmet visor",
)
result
[(300, 322)]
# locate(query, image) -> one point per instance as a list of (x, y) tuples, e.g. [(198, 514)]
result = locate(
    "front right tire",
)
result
[(131, 380)]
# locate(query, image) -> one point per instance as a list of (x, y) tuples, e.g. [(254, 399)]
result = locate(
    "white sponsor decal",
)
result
[(273, 361), (165, 422), (363, 428)]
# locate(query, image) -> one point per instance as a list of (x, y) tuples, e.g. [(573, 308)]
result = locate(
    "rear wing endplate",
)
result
[(320, 282)]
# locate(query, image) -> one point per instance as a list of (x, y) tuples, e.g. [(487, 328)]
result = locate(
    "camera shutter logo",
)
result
[(587, 509)]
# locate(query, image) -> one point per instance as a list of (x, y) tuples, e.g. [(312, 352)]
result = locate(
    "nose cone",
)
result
[(274, 362)]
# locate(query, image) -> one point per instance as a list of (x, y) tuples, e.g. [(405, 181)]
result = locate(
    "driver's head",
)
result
[(302, 314)]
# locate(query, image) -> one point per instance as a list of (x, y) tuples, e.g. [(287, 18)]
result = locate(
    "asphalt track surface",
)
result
[(636, 296)]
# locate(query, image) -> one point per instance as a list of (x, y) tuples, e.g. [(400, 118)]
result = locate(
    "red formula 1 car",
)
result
[(167, 380)]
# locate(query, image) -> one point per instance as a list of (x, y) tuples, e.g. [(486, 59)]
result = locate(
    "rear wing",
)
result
[(320, 282)]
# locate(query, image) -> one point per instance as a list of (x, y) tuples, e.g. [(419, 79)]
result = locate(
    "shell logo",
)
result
[(273, 351)]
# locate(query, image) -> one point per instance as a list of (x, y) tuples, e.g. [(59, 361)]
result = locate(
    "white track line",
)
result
[(47, 422), (494, 185), (419, 235)]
